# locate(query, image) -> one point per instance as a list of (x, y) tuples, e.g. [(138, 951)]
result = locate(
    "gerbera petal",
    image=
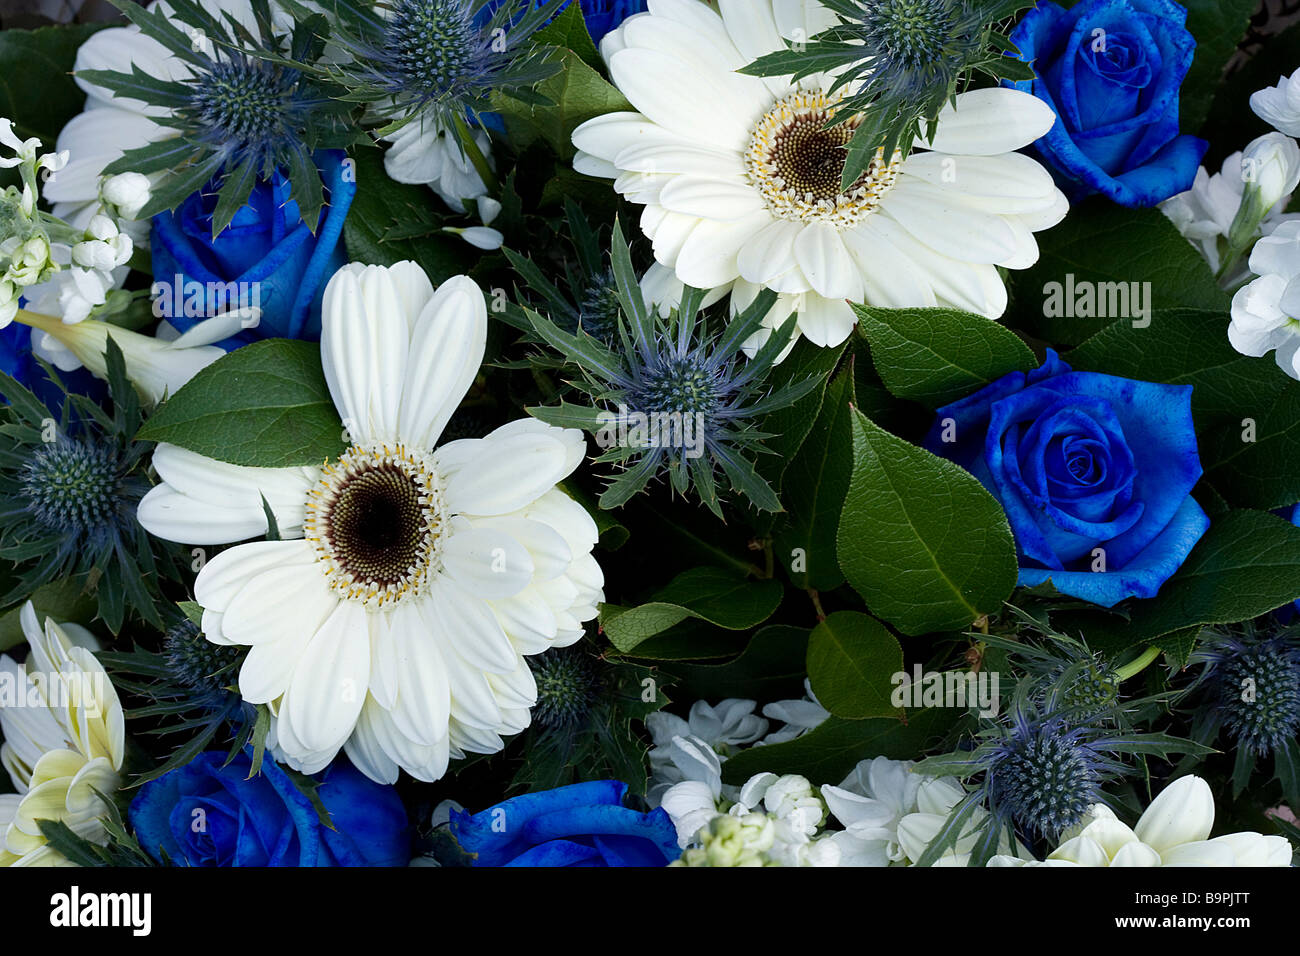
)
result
[(486, 562), (446, 351), (329, 684), (506, 474)]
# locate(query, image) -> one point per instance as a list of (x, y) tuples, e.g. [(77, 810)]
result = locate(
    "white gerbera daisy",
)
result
[(64, 739), (395, 617), (741, 183)]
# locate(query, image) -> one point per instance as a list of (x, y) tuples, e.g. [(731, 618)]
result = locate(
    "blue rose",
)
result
[(266, 257), (207, 814), (1110, 70), (1095, 473), (604, 15), (584, 824)]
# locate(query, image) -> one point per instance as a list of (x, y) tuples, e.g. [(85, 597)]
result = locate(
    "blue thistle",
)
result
[(194, 662), (1249, 689), (1045, 774), (1038, 771), (437, 60), (72, 476), (672, 397), (247, 106), (569, 685)]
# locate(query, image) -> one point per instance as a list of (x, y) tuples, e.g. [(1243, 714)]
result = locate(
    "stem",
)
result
[(475, 155), (817, 604), (1138, 665)]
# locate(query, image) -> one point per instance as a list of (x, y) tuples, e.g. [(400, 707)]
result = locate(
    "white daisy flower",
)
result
[(395, 617), (64, 738), (741, 184)]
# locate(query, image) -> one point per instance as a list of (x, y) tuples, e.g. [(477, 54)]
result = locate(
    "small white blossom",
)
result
[(1279, 105), (127, 192)]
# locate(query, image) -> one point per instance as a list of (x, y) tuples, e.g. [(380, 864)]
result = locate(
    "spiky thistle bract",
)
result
[(435, 61), (1037, 771), (899, 62), (673, 397), (70, 480), (244, 109), (1248, 690)]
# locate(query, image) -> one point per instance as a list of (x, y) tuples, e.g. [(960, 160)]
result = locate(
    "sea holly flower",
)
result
[(1249, 691), (421, 67), (394, 617), (1173, 831), (230, 106), (73, 475), (64, 742), (673, 397), (1039, 771), (744, 188)]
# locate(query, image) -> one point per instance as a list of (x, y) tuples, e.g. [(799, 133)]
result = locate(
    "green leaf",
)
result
[(852, 659), (771, 667), (265, 405), (816, 482), (569, 31), (577, 93), (1217, 25), (193, 612), (920, 539), (1246, 564), (720, 597), (1187, 347), (37, 91), (63, 600), (1109, 248), (936, 356), (1251, 461), (790, 426), (382, 203), (828, 752)]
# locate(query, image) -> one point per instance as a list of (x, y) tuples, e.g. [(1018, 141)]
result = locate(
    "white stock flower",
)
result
[(64, 738), (128, 193), (394, 617), (1204, 214), (719, 729), (799, 716), (1266, 312), (731, 171), (424, 152), (1272, 163), (1279, 105), (870, 803), (1173, 831)]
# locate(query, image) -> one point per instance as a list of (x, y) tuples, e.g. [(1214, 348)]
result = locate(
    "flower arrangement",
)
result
[(663, 433)]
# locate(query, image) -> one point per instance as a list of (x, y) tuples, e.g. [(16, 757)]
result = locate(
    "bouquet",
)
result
[(650, 433)]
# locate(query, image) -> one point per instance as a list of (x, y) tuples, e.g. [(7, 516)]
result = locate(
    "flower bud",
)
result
[(129, 192)]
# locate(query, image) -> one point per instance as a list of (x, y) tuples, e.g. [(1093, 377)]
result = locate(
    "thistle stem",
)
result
[(1138, 665)]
